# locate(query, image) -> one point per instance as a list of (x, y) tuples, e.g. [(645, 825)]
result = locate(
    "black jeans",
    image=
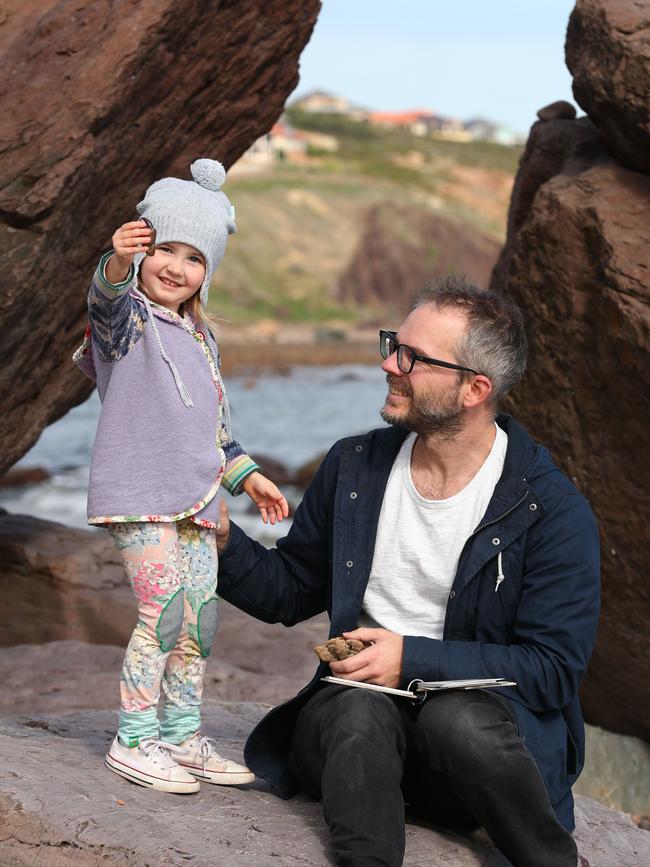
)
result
[(457, 760)]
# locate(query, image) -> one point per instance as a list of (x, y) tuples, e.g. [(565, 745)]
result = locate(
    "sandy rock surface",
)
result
[(98, 99), (60, 807)]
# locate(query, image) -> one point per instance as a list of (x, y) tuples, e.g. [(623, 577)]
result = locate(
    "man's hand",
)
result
[(222, 533), (381, 663), (129, 239), (267, 497)]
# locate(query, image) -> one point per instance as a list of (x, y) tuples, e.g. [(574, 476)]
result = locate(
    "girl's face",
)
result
[(173, 274)]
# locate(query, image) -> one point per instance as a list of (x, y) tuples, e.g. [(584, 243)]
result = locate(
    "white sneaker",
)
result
[(199, 756), (150, 764)]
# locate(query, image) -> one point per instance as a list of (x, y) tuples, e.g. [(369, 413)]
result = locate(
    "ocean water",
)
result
[(291, 418)]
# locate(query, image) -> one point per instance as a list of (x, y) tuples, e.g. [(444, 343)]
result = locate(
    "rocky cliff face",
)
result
[(99, 99), (577, 259), (401, 248)]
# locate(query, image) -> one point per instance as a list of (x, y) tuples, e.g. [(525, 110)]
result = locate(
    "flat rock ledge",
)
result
[(59, 807)]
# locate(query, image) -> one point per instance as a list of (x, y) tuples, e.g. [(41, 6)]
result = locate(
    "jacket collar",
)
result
[(525, 460), (522, 457), (185, 322)]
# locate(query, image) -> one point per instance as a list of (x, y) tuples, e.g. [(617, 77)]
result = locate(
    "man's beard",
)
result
[(430, 413)]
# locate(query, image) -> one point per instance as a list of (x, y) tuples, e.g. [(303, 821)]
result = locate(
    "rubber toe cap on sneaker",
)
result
[(133, 766)]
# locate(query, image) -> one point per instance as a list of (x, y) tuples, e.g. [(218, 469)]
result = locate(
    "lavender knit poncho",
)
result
[(155, 458)]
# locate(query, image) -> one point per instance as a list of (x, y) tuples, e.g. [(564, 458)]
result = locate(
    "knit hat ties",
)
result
[(192, 212)]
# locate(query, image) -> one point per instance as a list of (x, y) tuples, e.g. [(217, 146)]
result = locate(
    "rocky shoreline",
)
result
[(273, 347)]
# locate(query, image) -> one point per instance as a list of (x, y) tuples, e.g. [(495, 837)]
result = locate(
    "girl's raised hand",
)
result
[(267, 497), (131, 238)]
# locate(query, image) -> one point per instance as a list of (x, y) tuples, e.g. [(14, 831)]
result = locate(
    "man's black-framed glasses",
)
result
[(406, 357)]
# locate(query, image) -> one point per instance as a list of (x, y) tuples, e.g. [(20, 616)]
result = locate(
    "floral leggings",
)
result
[(173, 571)]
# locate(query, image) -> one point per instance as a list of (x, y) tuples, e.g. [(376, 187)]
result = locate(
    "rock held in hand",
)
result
[(323, 653), (338, 648)]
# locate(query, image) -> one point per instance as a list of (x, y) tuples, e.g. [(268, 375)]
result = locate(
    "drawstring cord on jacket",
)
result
[(500, 576), (180, 385)]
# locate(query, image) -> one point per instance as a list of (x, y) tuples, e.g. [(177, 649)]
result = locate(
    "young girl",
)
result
[(162, 450)]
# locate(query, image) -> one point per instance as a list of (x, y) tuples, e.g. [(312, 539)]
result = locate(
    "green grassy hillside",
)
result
[(299, 224)]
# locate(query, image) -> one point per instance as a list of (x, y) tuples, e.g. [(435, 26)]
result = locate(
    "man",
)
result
[(451, 545)]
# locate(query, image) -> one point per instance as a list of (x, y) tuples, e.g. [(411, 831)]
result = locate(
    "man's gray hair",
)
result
[(494, 342)]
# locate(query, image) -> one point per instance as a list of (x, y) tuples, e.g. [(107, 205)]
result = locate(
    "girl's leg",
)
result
[(185, 666), (185, 669), (151, 556)]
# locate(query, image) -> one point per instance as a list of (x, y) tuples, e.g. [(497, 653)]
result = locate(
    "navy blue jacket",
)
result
[(538, 628)]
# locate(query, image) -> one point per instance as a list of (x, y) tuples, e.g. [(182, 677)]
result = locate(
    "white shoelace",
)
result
[(158, 751), (208, 749)]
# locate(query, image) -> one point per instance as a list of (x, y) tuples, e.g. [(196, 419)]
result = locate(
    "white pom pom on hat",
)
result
[(208, 173)]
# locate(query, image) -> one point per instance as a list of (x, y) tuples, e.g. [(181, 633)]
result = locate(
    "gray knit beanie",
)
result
[(192, 212)]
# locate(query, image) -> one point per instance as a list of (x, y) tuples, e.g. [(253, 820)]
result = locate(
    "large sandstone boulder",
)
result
[(577, 259), (88, 817), (58, 583), (608, 54), (99, 98)]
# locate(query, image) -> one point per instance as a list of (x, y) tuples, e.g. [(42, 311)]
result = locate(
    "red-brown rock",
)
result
[(401, 248), (551, 147), (306, 472), (58, 583), (577, 259), (560, 110), (98, 99), (274, 469), (608, 53), (20, 477)]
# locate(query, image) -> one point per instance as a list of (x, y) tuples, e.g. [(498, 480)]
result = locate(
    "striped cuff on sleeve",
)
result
[(111, 289), (236, 471)]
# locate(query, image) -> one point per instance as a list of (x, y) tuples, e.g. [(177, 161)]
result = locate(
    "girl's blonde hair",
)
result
[(194, 307)]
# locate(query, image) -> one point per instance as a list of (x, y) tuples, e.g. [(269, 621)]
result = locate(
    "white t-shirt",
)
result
[(418, 545)]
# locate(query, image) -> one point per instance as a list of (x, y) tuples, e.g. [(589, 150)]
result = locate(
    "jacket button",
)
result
[(452, 594), (353, 495), (350, 564), (533, 507), (358, 448), (496, 541)]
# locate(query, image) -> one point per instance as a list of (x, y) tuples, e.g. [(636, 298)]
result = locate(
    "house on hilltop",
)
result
[(323, 102), (487, 130), (283, 142), (421, 122)]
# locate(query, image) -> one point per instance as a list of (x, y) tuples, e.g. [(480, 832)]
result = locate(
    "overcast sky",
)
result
[(499, 59)]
